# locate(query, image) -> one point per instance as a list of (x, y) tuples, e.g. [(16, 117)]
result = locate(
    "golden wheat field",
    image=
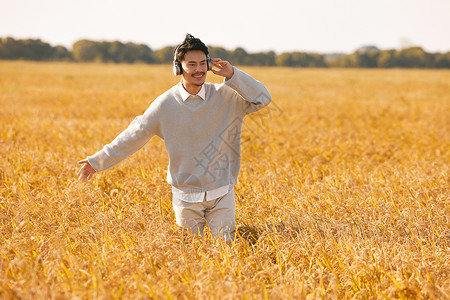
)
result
[(344, 190)]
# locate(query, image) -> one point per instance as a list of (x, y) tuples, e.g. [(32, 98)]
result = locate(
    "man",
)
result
[(200, 124)]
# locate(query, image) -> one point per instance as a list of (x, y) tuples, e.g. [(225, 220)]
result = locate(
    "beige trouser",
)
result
[(218, 213)]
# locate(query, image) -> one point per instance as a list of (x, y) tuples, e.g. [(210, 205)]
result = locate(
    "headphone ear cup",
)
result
[(177, 70)]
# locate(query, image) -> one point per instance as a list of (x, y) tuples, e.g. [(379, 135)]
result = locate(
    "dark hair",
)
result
[(190, 43)]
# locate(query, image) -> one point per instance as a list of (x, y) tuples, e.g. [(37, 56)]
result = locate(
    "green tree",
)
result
[(85, 50), (219, 52), (30, 49), (115, 51), (263, 58), (301, 59), (139, 53), (8, 48), (442, 60), (348, 61), (367, 59), (304, 59), (164, 55), (239, 57), (284, 59), (414, 57), (62, 53), (386, 59)]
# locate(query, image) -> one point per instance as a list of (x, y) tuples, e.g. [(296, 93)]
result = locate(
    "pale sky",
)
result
[(322, 26)]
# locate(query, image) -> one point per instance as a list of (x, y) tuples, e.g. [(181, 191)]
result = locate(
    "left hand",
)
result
[(223, 68), (87, 171)]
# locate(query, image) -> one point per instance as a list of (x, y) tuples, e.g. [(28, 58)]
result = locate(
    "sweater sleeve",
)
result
[(254, 93), (138, 133)]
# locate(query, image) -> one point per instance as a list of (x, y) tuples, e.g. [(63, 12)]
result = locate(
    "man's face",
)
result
[(194, 68)]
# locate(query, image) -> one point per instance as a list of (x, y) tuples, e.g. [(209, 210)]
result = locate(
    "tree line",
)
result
[(118, 52)]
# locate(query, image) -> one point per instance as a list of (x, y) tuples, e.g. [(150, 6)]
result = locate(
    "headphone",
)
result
[(178, 70)]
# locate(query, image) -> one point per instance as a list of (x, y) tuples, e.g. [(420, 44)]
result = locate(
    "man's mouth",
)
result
[(198, 75)]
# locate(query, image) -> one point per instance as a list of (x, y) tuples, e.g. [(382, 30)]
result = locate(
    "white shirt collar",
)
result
[(185, 94)]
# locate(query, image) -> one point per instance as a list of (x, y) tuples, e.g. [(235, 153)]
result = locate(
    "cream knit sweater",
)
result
[(203, 142)]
